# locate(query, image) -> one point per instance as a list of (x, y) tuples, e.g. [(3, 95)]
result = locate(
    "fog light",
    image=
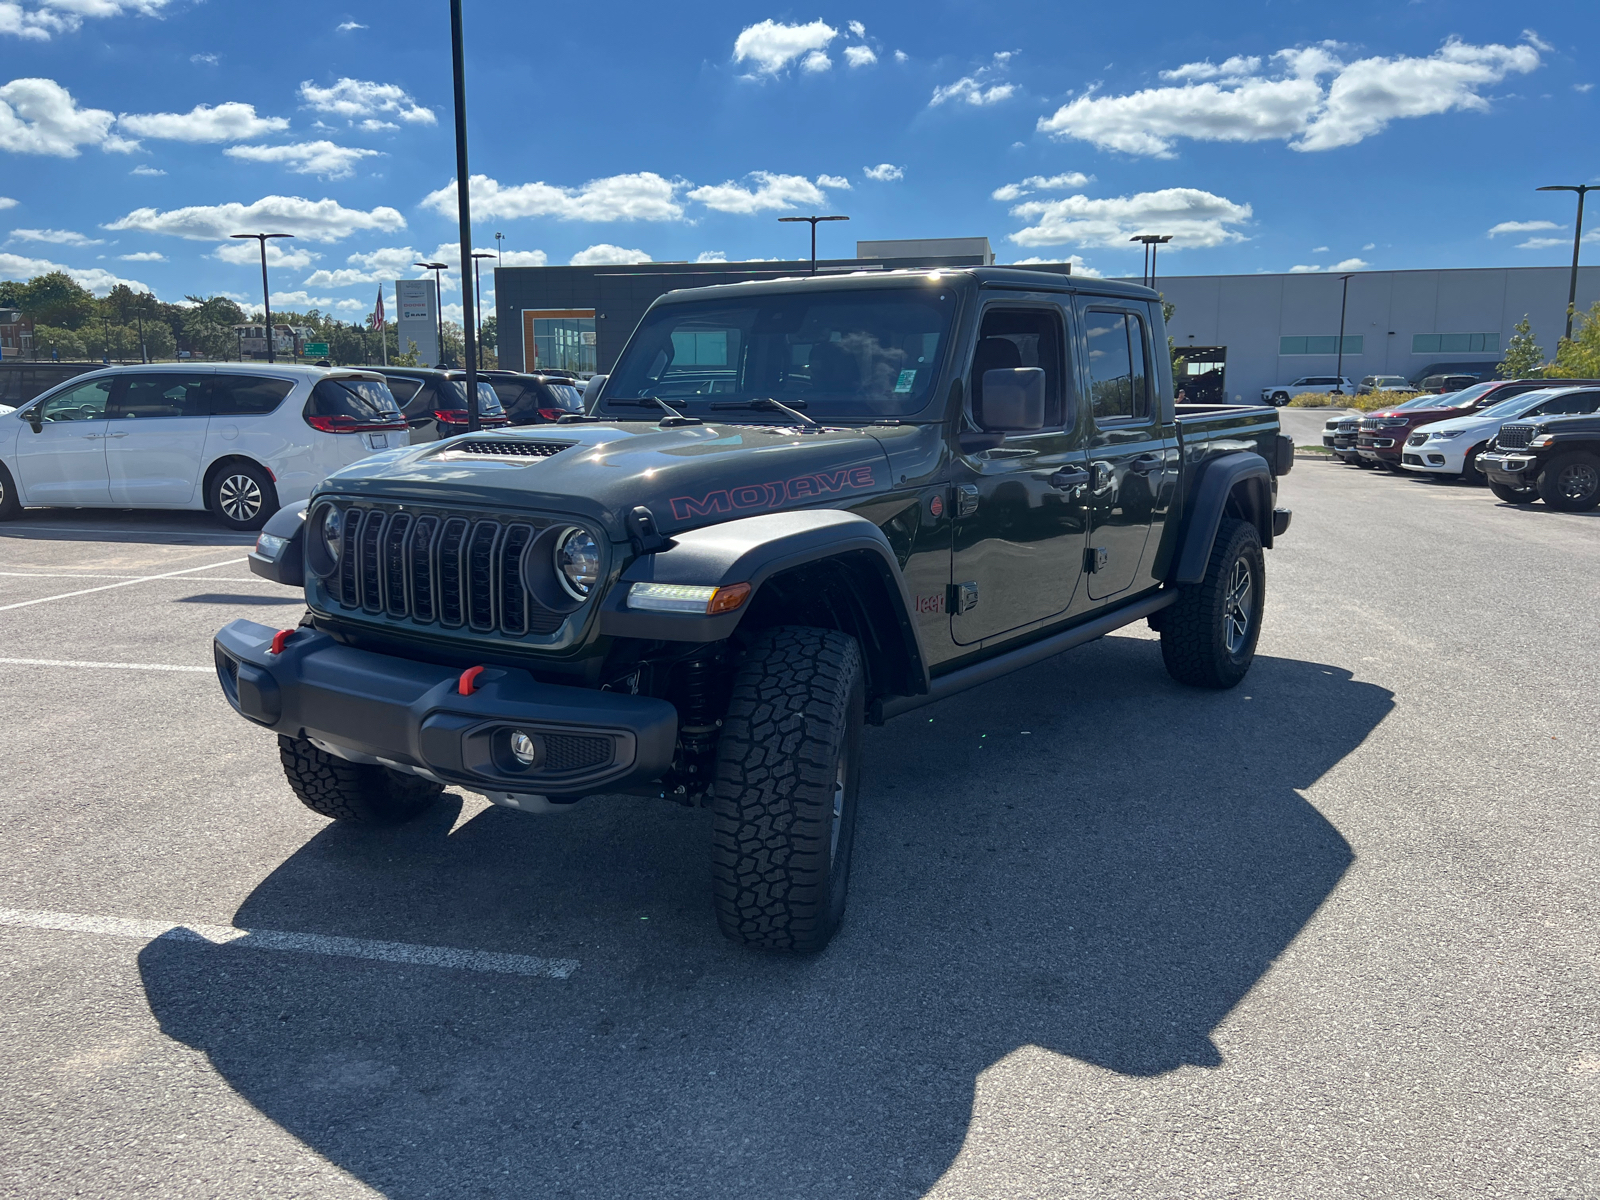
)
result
[(524, 749)]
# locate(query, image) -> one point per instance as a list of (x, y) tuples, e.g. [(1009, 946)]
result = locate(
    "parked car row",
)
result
[(1280, 394), (239, 440), (1529, 439)]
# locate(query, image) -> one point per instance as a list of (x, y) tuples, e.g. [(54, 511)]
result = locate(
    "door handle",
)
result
[(1147, 464), (1069, 479), (113, 435)]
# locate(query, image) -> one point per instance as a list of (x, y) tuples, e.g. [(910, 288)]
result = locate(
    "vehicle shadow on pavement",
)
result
[(1083, 857)]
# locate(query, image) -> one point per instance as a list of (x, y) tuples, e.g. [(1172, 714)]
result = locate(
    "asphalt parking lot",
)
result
[(1329, 934)]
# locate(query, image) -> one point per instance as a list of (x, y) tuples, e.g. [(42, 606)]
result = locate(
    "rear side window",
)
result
[(1117, 381), (360, 399), (161, 395), (563, 395), (247, 395), (1581, 402)]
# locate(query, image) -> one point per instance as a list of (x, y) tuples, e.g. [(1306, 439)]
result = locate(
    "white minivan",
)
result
[(236, 439)]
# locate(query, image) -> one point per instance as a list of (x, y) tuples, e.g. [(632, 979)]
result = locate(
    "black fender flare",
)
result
[(753, 550), (289, 566), (1219, 478)]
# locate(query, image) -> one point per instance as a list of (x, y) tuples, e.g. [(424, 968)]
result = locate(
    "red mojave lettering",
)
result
[(753, 497)]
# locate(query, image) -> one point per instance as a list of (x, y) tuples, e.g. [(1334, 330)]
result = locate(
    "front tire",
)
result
[(1513, 495), (355, 793), (241, 496), (1571, 482), (1470, 472), (784, 802), (10, 506), (1208, 638)]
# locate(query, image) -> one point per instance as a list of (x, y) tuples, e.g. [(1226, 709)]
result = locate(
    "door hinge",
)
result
[(966, 499), (963, 597), (1094, 559)]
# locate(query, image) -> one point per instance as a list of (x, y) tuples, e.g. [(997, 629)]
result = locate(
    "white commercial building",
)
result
[(1270, 329)]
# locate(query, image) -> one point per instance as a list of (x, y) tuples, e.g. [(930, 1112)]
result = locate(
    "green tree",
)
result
[(1524, 359), (491, 332), (56, 299), (10, 293), (1578, 357), (349, 345), (64, 344), (454, 350), (208, 327)]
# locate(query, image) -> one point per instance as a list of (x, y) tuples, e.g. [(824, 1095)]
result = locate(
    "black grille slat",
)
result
[(449, 560), (570, 752), (419, 555), (513, 594), (349, 534), (394, 565), (511, 447), (368, 571), (480, 575), (1514, 437)]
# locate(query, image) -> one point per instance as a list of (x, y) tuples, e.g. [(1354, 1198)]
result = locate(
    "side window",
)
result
[(1582, 402), (247, 395), (86, 402), (1118, 385), (402, 387), (1023, 337), (144, 396)]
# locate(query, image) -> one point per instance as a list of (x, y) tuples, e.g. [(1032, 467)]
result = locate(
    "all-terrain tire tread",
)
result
[(1191, 629), (353, 792), (772, 800)]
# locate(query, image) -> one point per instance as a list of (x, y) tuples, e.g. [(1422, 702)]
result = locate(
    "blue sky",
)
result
[(135, 134)]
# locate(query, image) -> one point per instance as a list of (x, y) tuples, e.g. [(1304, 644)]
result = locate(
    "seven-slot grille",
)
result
[(451, 569), (1514, 437)]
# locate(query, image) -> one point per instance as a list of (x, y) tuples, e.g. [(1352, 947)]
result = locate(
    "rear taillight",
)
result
[(343, 424), (552, 414), (449, 416)]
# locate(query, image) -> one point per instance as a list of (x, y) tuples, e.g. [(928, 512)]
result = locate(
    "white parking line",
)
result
[(106, 587), (296, 943), (71, 662)]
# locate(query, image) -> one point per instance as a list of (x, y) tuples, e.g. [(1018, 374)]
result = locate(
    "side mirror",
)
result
[(1012, 400), (591, 391), (32, 417)]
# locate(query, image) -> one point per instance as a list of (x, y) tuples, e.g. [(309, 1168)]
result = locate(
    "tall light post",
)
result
[(498, 239), (438, 301), (266, 296), (464, 209), (813, 221), (1338, 370), (1151, 241), (477, 286), (1583, 189)]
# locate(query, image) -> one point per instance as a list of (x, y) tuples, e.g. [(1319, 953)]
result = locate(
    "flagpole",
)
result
[(383, 327)]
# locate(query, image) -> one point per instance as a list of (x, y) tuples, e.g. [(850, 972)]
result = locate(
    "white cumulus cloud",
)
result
[(42, 19), (770, 192), (1041, 183), (141, 169), (314, 220), (323, 159), (1522, 227), (349, 26), (97, 280), (978, 88), (7, 202), (883, 173), (353, 98), (1193, 217), (816, 61), (771, 45), (298, 300), (860, 56), (54, 237), (231, 122), (1349, 264), (39, 116), (833, 181), (604, 255), (1079, 267), (143, 256), (644, 196), (280, 253), (857, 28), (1291, 104), (711, 256)]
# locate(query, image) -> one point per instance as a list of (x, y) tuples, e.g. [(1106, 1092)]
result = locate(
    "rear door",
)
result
[(1129, 443), (156, 436), (64, 462), (1019, 536)]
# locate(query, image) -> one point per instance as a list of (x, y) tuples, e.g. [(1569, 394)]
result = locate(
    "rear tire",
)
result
[(784, 802), (1513, 495), (355, 793), (10, 506), (1208, 638), (1571, 482), (241, 496)]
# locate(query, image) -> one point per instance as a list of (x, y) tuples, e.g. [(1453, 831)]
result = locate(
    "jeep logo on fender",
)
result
[(754, 496)]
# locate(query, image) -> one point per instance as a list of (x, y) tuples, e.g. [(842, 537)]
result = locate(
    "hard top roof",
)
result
[(997, 277)]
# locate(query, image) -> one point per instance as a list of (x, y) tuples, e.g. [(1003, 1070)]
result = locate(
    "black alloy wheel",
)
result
[(1208, 638), (1571, 482)]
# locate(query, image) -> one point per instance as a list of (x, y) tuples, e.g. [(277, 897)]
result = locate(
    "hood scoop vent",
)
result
[(503, 448)]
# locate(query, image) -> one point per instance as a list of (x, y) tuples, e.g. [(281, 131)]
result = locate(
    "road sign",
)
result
[(315, 350)]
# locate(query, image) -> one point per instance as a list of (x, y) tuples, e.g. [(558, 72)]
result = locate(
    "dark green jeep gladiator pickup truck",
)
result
[(794, 507)]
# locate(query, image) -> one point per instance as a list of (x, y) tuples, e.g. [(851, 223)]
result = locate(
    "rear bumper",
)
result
[(411, 715)]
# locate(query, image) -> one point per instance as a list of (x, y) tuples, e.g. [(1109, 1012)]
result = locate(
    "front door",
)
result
[(1128, 449), (156, 437), (61, 457), (1018, 508)]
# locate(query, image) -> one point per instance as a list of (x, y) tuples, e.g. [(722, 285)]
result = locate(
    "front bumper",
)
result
[(379, 708), (1437, 458), (1510, 468)]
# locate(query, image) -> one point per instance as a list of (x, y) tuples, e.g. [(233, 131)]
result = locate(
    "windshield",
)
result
[(1424, 401), (1466, 397), (845, 355), (488, 402)]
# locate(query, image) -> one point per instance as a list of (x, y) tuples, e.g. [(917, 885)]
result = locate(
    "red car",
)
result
[(1384, 433)]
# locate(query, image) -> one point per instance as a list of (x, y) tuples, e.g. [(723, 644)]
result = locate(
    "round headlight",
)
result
[(324, 539), (333, 531), (577, 563)]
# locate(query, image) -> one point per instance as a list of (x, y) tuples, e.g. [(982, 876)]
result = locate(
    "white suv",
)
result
[(1281, 393), (239, 440)]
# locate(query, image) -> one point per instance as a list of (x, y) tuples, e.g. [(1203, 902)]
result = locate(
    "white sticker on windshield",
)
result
[(906, 381)]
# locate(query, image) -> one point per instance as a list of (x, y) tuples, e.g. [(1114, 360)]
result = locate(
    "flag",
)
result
[(376, 321)]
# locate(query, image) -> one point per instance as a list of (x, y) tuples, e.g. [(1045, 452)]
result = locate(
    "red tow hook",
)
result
[(279, 638), (469, 680)]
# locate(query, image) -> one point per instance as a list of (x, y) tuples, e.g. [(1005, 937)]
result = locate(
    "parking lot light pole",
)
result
[(266, 296), (1151, 241), (438, 302), (1583, 189), (813, 221), (464, 211), (477, 286), (1339, 369)]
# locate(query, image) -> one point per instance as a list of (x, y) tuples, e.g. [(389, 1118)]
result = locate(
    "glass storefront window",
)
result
[(559, 341)]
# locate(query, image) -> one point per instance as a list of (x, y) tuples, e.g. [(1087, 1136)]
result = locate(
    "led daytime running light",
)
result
[(690, 598)]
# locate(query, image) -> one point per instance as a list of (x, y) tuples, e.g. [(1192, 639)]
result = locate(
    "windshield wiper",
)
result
[(673, 419), (766, 404)]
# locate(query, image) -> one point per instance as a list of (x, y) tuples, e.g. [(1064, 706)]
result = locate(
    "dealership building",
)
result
[(1238, 333)]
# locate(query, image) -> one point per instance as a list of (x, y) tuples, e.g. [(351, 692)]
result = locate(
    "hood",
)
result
[(687, 476)]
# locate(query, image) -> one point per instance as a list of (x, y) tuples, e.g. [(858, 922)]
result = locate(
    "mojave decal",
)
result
[(753, 497)]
